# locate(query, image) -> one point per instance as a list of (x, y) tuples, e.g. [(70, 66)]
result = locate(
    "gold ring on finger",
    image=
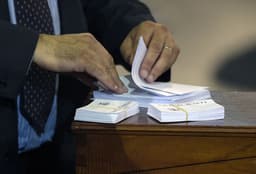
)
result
[(167, 47)]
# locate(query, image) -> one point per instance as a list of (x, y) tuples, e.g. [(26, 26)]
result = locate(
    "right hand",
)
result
[(80, 54)]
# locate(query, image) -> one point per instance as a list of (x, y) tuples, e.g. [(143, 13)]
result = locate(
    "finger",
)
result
[(103, 69), (170, 44), (127, 49), (110, 79), (165, 61), (176, 52), (162, 65), (111, 84), (115, 76), (154, 51), (146, 31)]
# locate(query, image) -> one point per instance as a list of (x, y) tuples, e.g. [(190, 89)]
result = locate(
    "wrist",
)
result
[(44, 50)]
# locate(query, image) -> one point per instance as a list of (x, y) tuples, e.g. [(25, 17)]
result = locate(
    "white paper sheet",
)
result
[(160, 88)]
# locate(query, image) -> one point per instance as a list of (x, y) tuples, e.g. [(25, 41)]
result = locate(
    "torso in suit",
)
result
[(109, 21)]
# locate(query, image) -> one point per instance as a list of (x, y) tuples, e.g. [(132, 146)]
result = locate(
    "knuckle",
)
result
[(149, 24), (107, 69), (156, 48), (104, 76), (147, 64), (110, 61), (178, 50), (92, 69), (164, 63), (168, 54), (90, 37), (128, 58), (164, 28), (125, 52)]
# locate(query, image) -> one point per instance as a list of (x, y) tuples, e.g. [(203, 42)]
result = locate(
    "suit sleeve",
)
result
[(16, 51), (111, 20)]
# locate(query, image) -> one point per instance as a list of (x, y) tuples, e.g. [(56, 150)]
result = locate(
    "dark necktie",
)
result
[(39, 87)]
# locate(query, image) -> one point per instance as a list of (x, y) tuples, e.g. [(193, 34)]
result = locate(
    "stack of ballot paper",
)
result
[(144, 97), (166, 101), (106, 111), (199, 110), (112, 111), (156, 92)]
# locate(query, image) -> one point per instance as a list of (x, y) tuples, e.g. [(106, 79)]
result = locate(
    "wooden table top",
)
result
[(240, 117)]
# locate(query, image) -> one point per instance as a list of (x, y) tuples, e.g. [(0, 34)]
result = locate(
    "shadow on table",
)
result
[(239, 71)]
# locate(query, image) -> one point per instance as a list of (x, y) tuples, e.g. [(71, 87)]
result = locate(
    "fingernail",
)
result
[(144, 74), (151, 79), (121, 89), (125, 89)]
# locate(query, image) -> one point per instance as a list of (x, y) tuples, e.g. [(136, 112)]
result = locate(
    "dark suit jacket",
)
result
[(109, 20)]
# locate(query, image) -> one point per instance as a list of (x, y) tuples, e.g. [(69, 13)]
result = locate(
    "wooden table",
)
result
[(142, 145)]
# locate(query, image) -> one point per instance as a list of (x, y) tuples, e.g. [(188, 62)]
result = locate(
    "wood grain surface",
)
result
[(142, 145)]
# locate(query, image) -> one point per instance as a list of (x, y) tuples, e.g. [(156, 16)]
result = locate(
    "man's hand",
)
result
[(79, 54), (162, 49)]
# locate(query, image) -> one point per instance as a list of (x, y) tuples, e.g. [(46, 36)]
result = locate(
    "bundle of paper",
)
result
[(144, 97), (199, 110), (106, 111)]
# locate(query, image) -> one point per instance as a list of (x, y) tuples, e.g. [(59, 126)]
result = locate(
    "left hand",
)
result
[(162, 49)]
